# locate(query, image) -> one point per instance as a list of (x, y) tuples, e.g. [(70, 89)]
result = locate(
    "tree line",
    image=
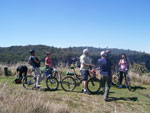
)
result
[(14, 54)]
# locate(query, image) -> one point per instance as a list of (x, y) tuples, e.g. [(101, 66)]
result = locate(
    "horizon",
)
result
[(75, 47), (73, 23)]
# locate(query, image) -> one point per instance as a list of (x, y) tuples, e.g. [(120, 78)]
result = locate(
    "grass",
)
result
[(15, 99)]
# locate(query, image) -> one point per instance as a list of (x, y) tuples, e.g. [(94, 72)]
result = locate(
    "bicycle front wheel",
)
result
[(93, 85), (52, 83), (29, 82), (68, 84)]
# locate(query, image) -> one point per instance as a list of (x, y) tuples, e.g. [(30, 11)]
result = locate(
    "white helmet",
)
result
[(85, 51), (103, 53)]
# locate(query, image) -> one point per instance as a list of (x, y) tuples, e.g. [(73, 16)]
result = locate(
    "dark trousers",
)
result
[(106, 83), (122, 74), (50, 69)]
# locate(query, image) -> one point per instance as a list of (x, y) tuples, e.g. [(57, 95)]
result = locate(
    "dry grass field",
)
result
[(15, 99)]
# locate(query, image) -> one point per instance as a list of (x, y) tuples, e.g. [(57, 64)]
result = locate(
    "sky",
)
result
[(123, 24)]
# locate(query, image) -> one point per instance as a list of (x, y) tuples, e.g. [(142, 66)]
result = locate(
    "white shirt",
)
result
[(84, 59)]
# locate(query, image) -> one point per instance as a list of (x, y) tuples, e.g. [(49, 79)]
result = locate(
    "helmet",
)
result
[(85, 51), (103, 53), (32, 51), (47, 53)]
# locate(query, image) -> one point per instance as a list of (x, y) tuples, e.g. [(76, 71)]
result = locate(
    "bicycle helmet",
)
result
[(85, 51), (32, 51), (103, 53)]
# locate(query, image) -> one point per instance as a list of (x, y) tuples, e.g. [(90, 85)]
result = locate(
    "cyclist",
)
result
[(123, 69), (84, 68), (48, 62), (21, 71), (35, 63), (105, 72)]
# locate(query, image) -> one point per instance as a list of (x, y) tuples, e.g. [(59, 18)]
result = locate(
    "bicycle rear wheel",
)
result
[(128, 82), (29, 82), (68, 84), (93, 85), (52, 83)]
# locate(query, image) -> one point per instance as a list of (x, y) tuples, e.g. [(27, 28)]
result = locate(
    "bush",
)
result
[(140, 68)]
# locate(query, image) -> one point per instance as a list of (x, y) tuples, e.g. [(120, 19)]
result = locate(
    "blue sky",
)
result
[(63, 23)]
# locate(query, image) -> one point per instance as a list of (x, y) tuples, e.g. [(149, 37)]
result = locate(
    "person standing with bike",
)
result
[(35, 63), (48, 62), (105, 72), (84, 68), (123, 69)]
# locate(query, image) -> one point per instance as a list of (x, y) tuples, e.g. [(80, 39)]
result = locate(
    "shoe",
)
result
[(38, 86), (120, 86), (82, 90), (126, 86), (106, 99)]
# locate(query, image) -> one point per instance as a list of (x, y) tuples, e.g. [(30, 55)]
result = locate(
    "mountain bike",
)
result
[(72, 80), (29, 82)]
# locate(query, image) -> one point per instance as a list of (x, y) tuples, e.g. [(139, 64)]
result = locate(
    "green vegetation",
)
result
[(64, 56), (15, 99)]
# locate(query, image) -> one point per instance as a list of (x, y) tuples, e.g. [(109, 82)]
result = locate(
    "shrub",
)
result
[(140, 68)]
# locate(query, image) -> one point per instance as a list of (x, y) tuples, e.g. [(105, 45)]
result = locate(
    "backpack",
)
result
[(36, 64), (17, 81)]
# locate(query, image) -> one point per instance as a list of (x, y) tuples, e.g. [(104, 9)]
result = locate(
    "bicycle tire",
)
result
[(29, 82), (93, 85), (128, 82), (52, 83), (68, 84)]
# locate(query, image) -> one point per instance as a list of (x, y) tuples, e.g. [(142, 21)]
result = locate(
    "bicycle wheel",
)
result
[(68, 84), (29, 82), (93, 85), (128, 82), (52, 83), (115, 79)]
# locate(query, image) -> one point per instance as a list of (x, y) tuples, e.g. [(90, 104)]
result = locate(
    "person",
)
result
[(105, 72), (84, 68), (123, 69), (21, 71), (48, 62), (35, 63)]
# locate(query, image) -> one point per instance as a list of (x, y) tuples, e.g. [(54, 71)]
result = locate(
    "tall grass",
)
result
[(22, 101)]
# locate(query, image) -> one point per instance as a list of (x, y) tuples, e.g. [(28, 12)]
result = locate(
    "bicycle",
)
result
[(29, 82), (72, 80), (93, 84)]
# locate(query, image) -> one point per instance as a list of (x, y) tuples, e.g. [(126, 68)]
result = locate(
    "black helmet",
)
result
[(124, 55), (32, 51)]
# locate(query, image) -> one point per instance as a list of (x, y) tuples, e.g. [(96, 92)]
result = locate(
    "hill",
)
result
[(15, 54)]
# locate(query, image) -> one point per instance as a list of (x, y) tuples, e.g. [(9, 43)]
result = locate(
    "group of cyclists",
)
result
[(104, 62), (106, 65)]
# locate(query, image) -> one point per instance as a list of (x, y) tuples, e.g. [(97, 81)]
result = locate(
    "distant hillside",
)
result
[(14, 54)]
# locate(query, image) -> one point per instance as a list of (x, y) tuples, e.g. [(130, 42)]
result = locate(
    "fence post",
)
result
[(6, 71)]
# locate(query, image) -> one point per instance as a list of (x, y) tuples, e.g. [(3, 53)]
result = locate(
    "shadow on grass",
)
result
[(132, 89), (123, 98)]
